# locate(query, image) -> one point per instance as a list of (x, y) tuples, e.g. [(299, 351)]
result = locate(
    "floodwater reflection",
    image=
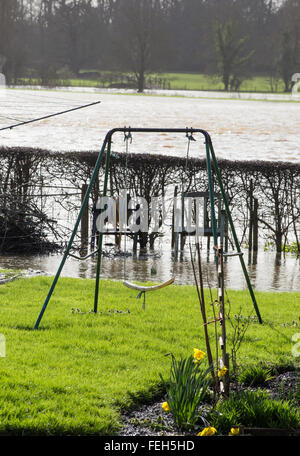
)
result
[(272, 272)]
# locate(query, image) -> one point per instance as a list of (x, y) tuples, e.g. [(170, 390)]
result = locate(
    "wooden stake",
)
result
[(224, 382)]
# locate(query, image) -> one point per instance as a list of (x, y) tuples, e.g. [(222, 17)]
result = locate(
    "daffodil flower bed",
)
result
[(208, 431)]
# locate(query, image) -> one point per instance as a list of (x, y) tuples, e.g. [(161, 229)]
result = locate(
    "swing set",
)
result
[(211, 163)]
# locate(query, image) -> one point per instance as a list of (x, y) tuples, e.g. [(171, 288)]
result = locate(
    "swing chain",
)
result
[(128, 136), (190, 136)]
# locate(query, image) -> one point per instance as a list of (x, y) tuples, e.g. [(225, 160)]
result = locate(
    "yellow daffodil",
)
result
[(207, 431), (222, 372), (198, 354), (165, 406), (234, 431)]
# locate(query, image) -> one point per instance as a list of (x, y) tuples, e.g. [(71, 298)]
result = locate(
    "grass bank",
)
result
[(75, 374)]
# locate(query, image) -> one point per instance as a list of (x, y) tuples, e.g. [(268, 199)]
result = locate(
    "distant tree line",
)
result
[(234, 38)]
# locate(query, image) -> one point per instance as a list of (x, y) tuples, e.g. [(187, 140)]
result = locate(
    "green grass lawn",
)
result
[(78, 371)]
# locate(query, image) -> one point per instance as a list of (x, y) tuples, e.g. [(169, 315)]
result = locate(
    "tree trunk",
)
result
[(141, 81), (143, 240), (278, 241), (226, 82)]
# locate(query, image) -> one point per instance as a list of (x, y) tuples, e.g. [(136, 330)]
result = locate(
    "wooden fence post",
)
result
[(84, 221), (250, 243), (255, 225)]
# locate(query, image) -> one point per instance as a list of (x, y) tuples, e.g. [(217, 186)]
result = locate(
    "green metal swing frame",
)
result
[(211, 161)]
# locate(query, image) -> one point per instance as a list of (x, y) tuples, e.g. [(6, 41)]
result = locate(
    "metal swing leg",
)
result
[(66, 254), (96, 297)]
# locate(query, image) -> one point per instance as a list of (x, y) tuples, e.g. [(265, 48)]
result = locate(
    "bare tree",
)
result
[(289, 58), (9, 16), (231, 54), (140, 42), (73, 22)]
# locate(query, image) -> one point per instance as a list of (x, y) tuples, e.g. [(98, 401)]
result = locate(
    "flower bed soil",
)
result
[(151, 420)]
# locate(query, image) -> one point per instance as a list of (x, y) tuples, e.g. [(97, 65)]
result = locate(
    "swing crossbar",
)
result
[(142, 288)]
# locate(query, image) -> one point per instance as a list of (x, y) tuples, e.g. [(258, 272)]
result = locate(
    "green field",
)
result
[(186, 81), (79, 370), (175, 81)]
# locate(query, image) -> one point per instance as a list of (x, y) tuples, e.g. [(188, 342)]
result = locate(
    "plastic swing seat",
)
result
[(143, 290)]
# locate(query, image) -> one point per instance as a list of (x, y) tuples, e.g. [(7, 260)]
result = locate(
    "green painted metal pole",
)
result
[(237, 245), (96, 297), (211, 198), (89, 189)]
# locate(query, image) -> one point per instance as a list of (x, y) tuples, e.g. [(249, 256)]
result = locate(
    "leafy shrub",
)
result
[(254, 409), (255, 376)]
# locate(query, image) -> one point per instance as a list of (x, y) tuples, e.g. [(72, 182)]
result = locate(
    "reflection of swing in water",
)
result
[(211, 162)]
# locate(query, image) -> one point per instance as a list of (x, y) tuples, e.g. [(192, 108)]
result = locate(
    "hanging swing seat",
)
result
[(144, 289)]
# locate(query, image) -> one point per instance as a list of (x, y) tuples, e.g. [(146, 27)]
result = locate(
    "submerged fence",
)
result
[(41, 193)]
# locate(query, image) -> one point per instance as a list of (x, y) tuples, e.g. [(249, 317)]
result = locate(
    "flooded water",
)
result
[(241, 129), (272, 272)]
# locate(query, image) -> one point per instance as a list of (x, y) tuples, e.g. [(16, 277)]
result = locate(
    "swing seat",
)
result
[(144, 289)]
